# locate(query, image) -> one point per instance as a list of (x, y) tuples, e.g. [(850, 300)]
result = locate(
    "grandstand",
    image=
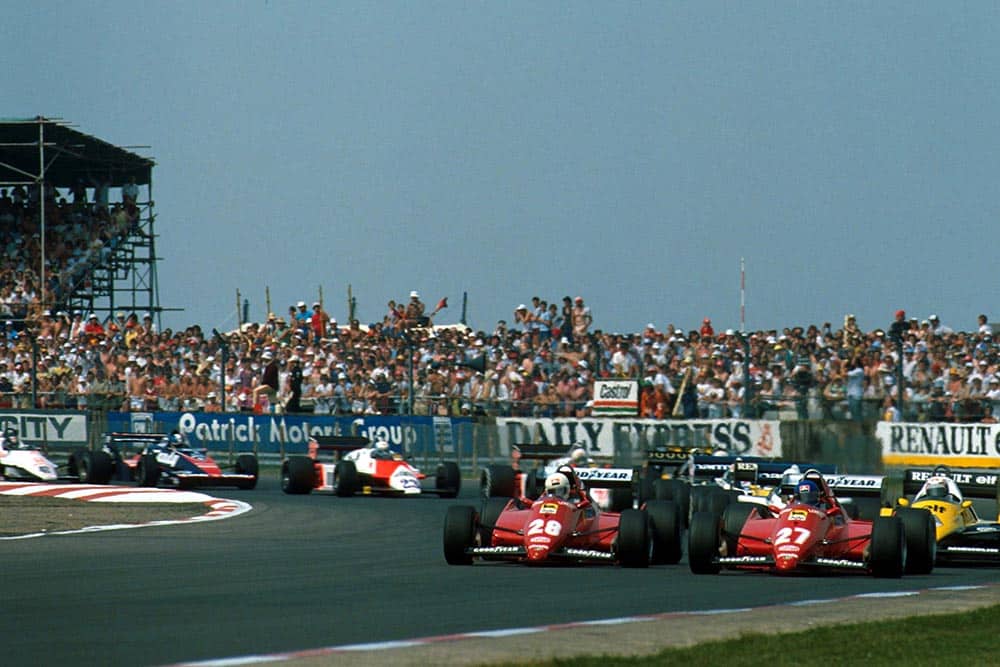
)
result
[(95, 251)]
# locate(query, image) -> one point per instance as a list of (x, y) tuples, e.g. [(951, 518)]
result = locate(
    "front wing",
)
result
[(975, 544), (768, 563), (565, 554)]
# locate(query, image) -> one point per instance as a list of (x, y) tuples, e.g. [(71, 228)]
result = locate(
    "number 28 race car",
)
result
[(810, 531), (962, 536), (360, 468), (563, 524)]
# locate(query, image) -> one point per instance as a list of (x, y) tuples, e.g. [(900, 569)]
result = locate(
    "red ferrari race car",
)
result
[(564, 525), (526, 481), (811, 530), (359, 468), (156, 459)]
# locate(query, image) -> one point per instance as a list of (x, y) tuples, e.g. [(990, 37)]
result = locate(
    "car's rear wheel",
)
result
[(921, 539), (298, 474), (246, 464), (345, 479), (459, 534), (94, 467), (634, 546), (703, 543), (891, 491), (665, 526), (677, 490), (147, 471), (449, 479), (887, 551), (498, 480)]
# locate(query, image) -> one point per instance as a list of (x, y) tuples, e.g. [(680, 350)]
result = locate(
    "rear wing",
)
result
[(340, 443), (971, 482), (541, 452), (757, 469), (116, 440)]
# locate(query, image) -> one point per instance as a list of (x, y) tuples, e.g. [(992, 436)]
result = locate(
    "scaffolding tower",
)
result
[(45, 152)]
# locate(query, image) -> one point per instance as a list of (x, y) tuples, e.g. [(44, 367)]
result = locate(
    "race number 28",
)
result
[(550, 527)]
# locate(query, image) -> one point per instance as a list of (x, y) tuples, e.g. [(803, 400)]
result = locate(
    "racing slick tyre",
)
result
[(345, 479), (298, 474), (492, 509), (449, 479), (891, 491), (459, 534), (94, 467), (147, 471), (246, 464), (534, 484), (921, 539), (887, 555), (498, 480), (665, 529), (734, 517), (703, 543), (677, 491), (634, 547)]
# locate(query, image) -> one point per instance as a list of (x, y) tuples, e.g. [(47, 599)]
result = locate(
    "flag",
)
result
[(442, 304)]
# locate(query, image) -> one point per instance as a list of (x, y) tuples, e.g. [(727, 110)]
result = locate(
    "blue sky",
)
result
[(630, 153)]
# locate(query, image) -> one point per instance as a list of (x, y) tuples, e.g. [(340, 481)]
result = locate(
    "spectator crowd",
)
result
[(543, 362)]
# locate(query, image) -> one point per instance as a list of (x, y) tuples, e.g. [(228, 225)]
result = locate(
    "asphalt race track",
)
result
[(301, 572)]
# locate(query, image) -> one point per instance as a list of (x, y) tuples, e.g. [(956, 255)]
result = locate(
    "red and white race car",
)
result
[(564, 525), (358, 467), (156, 459), (808, 529)]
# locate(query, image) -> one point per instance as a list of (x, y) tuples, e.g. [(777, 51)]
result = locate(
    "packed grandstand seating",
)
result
[(541, 365)]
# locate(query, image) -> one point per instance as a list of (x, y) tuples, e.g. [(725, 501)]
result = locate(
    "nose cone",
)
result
[(538, 552), (786, 562)]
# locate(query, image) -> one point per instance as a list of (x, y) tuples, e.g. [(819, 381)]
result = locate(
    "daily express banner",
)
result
[(968, 445), (736, 436), (272, 433), (61, 429)]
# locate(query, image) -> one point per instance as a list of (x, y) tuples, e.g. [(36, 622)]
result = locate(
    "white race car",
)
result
[(20, 461)]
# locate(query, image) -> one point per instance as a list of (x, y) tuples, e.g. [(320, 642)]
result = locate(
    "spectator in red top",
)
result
[(93, 327), (706, 328), (319, 322)]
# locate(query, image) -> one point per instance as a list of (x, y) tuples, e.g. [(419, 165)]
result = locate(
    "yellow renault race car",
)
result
[(962, 535)]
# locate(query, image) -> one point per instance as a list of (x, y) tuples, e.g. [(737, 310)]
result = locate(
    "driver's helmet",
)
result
[(935, 488), (807, 492), (570, 475), (557, 484), (176, 439), (382, 450), (578, 456), (10, 435)]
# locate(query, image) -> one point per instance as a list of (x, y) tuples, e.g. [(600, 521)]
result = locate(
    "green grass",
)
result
[(968, 638)]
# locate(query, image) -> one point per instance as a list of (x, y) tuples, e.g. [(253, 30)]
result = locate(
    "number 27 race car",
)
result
[(810, 531)]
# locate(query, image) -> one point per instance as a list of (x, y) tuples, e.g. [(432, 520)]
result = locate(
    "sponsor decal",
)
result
[(496, 550), (540, 539), (973, 550), (548, 508), (854, 481), (798, 515), (967, 478), (735, 560), (788, 548), (604, 474), (839, 562), (588, 553)]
